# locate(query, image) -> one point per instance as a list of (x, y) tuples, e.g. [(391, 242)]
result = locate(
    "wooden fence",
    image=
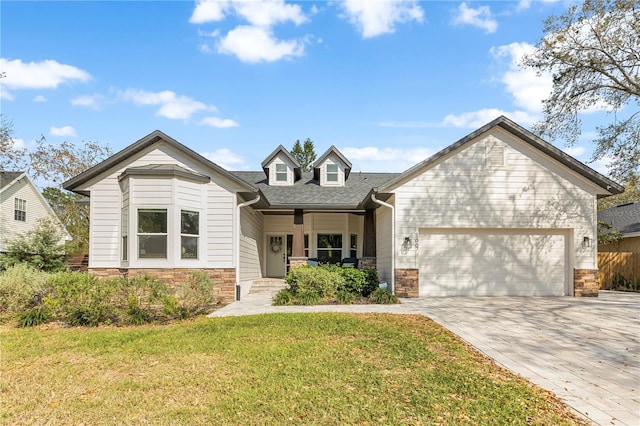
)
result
[(627, 263)]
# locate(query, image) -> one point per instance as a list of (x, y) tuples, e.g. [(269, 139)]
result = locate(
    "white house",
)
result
[(499, 212), (21, 206)]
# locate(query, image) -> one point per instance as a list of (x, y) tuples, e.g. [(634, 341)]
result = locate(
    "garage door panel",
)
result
[(491, 262)]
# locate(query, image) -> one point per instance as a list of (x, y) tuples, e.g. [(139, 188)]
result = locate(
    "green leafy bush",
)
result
[(197, 294), (41, 248), (22, 287), (306, 297), (142, 297), (345, 297), (354, 280), (621, 283), (323, 281), (383, 297), (372, 282), (283, 298)]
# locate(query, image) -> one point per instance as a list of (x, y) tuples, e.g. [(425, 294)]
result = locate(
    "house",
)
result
[(21, 206), (499, 212), (625, 219)]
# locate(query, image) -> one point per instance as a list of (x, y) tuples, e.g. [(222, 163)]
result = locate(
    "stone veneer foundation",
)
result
[(407, 284), (224, 278), (585, 282)]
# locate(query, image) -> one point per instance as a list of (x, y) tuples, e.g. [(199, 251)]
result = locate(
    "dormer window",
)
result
[(281, 172), (332, 173)]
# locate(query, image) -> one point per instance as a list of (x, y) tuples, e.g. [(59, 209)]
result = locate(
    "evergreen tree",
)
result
[(304, 153)]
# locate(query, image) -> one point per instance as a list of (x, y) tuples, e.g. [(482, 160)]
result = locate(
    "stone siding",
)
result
[(367, 263), (294, 262), (224, 278), (585, 282), (407, 283)]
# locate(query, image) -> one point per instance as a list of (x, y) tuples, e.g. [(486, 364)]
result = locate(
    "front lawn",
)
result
[(266, 369)]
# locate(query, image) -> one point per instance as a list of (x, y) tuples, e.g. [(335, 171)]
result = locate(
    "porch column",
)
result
[(298, 233), (369, 237)]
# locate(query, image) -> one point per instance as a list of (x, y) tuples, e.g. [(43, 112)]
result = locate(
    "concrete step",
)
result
[(268, 285)]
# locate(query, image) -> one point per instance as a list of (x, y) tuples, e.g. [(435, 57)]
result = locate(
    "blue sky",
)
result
[(387, 83)]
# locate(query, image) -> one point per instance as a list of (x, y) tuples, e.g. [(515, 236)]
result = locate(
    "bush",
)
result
[(354, 280), (142, 298), (372, 282), (345, 297), (22, 287), (40, 248), (34, 316), (306, 297), (197, 294), (323, 281), (284, 297), (621, 283), (383, 297)]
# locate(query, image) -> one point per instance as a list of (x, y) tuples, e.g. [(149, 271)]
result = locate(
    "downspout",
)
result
[(237, 238), (393, 240)]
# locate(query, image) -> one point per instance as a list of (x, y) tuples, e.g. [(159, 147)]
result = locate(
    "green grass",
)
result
[(268, 369)]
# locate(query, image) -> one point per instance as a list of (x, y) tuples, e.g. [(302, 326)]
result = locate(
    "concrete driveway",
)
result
[(585, 350)]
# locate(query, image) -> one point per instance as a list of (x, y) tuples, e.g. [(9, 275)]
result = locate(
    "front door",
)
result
[(276, 256)]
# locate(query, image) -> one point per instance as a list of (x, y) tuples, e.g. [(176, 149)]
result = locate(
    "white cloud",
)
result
[(48, 74), (63, 131), (226, 159), (385, 159), (575, 151), (89, 101), (256, 44), (18, 143), (221, 123), (373, 18), (39, 98), (172, 106), (270, 12), (4, 94), (481, 117), (479, 17), (209, 11), (602, 165)]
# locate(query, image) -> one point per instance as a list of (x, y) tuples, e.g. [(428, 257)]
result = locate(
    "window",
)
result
[(20, 212), (125, 233), (330, 248), (189, 234), (281, 172), (353, 247), (332, 172), (152, 233), (290, 245)]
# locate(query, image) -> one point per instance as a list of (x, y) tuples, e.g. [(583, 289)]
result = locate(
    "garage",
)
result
[(493, 262)]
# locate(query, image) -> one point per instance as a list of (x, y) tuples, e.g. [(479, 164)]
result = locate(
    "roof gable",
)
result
[(152, 138), (281, 151), (522, 134), (331, 152)]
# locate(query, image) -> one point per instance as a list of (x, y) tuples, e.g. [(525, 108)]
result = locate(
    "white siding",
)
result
[(467, 190), (216, 204), (384, 250), (36, 208), (332, 159), (280, 159), (251, 248)]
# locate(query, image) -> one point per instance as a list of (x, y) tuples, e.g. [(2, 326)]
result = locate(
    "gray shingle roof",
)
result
[(7, 177), (307, 192), (624, 218)]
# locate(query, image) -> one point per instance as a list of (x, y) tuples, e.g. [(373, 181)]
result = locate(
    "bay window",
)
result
[(189, 234), (330, 248), (152, 233)]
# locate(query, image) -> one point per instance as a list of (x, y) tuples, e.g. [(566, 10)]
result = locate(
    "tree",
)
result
[(631, 193), (40, 248), (11, 155), (593, 53), (74, 217), (304, 154)]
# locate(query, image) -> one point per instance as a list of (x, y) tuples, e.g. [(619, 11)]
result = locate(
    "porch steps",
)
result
[(268, 285)]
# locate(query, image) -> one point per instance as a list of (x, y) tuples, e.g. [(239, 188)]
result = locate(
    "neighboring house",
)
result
[(500, 212), (625, 219), (21, 206)]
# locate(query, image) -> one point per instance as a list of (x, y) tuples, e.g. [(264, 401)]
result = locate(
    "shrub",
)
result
[(306, 297), (197, 294), (372, 282), (142, 298), (345, 297), (283, 298), (383, 297), (621, 283), (40, 248), (354, 280), (22, 287), (323, 281), (34, 316)]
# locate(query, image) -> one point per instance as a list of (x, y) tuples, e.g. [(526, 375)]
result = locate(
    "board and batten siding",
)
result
[(36, 209), (472, 188), (107, 198)]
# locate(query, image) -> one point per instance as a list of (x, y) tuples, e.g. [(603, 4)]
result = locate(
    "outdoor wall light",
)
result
[(586, 241), (407, 243)]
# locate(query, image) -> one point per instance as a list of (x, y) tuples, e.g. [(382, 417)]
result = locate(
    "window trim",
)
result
[(142, 234), (353, 247), (321, 249), (333, 177), (19, 209), (280, 173), (187, 235)]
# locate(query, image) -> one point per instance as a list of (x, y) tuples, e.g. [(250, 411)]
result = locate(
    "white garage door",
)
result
[(457, 262)]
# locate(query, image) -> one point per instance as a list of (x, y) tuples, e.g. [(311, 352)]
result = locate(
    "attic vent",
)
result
[(496, 156)]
